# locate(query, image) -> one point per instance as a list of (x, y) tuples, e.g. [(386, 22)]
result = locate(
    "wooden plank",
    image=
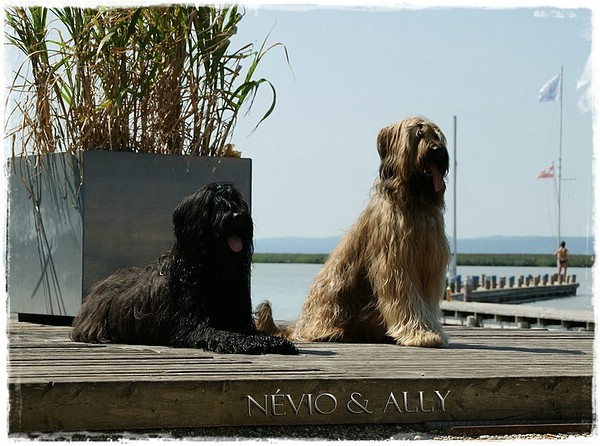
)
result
[(484, 375), (489, 314), (518, 310)]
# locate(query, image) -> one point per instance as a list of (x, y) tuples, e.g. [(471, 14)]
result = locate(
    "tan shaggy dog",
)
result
[(385, 279)]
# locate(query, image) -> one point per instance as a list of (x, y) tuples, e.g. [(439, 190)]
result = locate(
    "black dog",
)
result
[(197, 294)]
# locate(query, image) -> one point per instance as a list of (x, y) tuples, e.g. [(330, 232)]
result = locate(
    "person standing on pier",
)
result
[(562, 257)]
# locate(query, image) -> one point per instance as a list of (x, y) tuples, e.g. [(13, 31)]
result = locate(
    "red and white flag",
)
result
[(546, 173)]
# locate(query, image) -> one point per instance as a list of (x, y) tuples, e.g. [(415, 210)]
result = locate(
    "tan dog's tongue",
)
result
[(235, 243), (436, 178)]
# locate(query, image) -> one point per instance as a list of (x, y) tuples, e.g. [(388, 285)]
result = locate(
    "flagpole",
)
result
[(560, 138), (453, 260), (552, 91)]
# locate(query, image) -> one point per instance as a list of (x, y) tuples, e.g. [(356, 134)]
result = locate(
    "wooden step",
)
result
[(485, 375)]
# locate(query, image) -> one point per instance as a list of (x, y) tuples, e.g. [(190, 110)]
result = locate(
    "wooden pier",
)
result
[(518, 295), (511, 377), (494, 289), (482, 314)]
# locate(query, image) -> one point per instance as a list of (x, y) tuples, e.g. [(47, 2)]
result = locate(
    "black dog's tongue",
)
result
[(235, 243)]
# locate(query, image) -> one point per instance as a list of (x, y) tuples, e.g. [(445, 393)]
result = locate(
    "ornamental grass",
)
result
[(147, 79)]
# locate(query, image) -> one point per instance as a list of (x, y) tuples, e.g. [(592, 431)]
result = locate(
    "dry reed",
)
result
[(147, 79)]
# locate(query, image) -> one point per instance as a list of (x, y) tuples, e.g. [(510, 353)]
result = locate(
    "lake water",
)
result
[(286, 285)]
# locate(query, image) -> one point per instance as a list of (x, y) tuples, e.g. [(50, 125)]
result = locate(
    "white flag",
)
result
[(551, 90)]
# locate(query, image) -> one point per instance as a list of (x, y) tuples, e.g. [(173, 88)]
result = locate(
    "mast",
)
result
[(453, 261), (560, 138)]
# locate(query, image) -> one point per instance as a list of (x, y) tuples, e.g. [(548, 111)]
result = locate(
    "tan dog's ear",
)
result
[(391, 142), (383, 142), (387, 169)]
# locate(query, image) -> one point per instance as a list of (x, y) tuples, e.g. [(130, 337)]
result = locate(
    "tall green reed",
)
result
[(148, 79)]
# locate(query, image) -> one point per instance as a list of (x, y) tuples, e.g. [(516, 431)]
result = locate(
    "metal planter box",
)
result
[(99, 211)]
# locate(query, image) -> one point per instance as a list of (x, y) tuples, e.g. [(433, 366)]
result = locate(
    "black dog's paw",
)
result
[(254, 344), (284, 347), (263, 344), (221, 346)]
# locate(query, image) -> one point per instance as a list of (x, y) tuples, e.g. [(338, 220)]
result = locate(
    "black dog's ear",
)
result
[(183, 210), (187, 214), (181, 217), (180, 211)]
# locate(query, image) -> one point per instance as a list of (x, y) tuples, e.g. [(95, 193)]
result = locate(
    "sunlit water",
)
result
[(286, 285)]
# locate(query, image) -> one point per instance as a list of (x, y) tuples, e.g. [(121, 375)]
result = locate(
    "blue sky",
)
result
[(355, 70)]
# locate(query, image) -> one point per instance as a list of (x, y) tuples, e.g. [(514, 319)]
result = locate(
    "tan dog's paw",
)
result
[(425, 339)]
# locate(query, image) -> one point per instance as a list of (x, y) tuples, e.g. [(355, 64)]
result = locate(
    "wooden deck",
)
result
[(485, 376)]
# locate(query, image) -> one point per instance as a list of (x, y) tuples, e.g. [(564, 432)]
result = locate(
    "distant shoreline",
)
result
[(545, 260), (544, 245)]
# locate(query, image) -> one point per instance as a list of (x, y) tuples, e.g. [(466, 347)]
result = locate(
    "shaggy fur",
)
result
[(385, 279), (197, 294)]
